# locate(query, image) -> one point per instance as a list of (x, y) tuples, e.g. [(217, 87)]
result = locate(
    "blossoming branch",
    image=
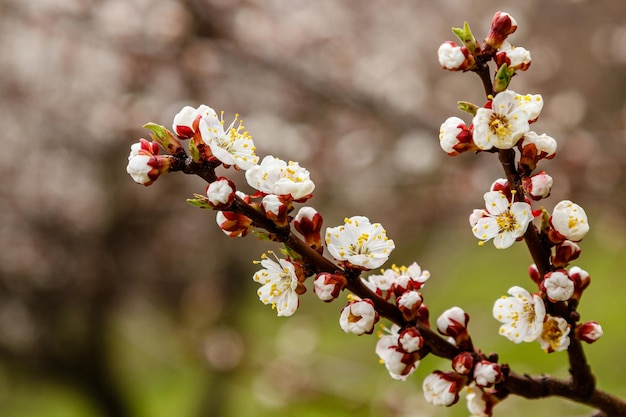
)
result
[(339, 258)]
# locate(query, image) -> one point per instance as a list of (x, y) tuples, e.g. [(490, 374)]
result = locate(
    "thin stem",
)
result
[(539, 253), (541, 387)]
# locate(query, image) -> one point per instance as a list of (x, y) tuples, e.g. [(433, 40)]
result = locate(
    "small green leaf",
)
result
[(468, 107), (502, 78), (261, 235), (199, 201), (467, 38)]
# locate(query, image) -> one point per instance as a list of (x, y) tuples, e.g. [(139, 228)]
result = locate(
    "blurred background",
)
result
[(118, 300)]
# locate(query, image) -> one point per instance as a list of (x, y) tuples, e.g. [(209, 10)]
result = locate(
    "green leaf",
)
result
[(467, 38), (199, 201), (503, 78), (468, 107)]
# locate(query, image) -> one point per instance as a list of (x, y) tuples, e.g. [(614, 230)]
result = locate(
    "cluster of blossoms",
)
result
[(548, 315), (503, 125)]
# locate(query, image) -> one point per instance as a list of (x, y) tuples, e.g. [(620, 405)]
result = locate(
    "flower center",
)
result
[(529, 313), (506, 222), (499, 125), (352, 318), (552, 333), (360, 247)]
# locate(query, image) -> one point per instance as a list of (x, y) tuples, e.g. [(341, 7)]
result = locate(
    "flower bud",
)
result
[(327, 286), (308, 222), (233, 224), (569, 220), (399, 363), (183, 124), (453, 323), (533, 271), (487, 374), (408, 278), (589, 332), (463, 363), (409, 303), (479, 402), (558, 286), (442, 388), (221, 193), (145, 164), (581, 280), (516, 58), (538, 186), (535, 147), (564, 253), (358, 317), (502, 25), (275, 209), (454, 57), (455, 137), (410, 340), (501, 184)]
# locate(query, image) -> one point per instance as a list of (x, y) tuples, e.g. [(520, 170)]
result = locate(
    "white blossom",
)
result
[(554, 336), (278, 285), (506, 122), (275, 176), (502, 221), (231, 145), (522, 315), (359, 243)]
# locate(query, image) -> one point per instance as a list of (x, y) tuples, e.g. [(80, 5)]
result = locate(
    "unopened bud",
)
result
[(409, 303), (564, 253), (455, 58), (453, 323), (410, 339), (502, 25), (558, 286), (589, 332), (308, 222), (358, 317), (442, 388), (538, 186), (569, 220), (487, 374), (221, 193), (327, 286), (275, 209), (463, 363)]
